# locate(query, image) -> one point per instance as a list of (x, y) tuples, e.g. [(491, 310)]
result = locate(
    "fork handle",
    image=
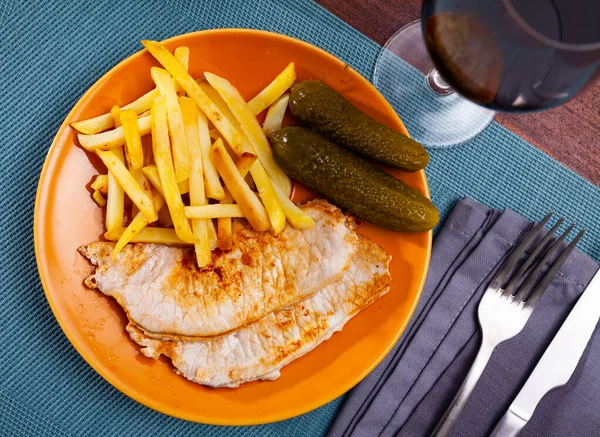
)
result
[(449, 419)]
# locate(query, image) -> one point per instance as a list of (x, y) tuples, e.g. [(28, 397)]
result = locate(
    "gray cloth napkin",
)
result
[(409, 391)]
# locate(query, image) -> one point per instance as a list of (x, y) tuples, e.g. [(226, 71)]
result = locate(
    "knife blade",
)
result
[(558, 362)]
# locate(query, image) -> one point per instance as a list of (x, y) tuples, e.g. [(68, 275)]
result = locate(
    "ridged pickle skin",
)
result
[(351, 182), (327, 112)]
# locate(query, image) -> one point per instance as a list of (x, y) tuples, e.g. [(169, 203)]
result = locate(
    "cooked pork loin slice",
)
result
[(259, 350), (165, 294)]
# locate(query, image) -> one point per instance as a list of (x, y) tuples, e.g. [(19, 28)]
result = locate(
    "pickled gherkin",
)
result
[(352, 182), (327, 112)]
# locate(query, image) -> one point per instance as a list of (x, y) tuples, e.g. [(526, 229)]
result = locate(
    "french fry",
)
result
[(165, 85), (211, 230), (151, 173), (245, 162), (113, 138), (274, 90), (213, 211), (100, 184), (275, 114), (145, 185), (133, 140), (295, 216), (224, 228), (249, 203), (235, 139), (128, 183), (219, 103), (212, 183), (196, 182), (266, 191), (166, 172), (115, 202), (115, 113), (105, 121), (138, 223), (149, 235), (251, 129), (98, 198), (182, 54)]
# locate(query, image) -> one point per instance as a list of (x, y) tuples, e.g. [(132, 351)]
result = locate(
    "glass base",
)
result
[(406, 77)]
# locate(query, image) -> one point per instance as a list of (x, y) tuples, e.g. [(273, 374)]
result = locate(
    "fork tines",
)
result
[(510, 289)]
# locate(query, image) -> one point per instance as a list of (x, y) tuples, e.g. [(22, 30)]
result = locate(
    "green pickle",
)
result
[(351, 182), (327, 112)]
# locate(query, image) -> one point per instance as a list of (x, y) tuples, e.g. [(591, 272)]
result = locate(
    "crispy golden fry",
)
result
[(295, 216), (211, 231), (128, 183), (113, 138), (245, 162), (138, 223), (133, 140), (213, 211), (100, 184), (219, 103), (228, 131), (251, 129), (274, 90), (115, 113), (182, 54), (149, 235), (275, 114), (165, 85), (164, 164), (115, 203), (137, 175), (151, 173), (105, 121), (197, 195), (145, 185), (266, 191), (253, 210), (98, 198), (212, 183)]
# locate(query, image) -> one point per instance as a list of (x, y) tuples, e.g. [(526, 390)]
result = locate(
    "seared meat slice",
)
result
[(166, 296), (259, 350)]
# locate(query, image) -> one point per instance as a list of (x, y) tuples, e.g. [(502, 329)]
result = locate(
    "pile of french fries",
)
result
[(194, 137)]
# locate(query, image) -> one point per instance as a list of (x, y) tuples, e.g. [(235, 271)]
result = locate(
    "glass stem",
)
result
[(437, 83)]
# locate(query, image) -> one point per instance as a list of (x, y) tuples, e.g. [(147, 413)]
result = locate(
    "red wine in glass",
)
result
[(476, 57), (514, 55)]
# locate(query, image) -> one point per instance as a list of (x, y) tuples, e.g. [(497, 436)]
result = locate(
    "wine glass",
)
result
[(447, 73)]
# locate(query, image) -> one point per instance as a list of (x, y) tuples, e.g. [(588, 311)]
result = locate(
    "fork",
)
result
[(505, 308)]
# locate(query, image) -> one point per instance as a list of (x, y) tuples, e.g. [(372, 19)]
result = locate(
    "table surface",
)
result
[(569, 133)]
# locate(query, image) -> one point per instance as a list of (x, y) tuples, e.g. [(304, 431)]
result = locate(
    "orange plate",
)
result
[(66, 218)]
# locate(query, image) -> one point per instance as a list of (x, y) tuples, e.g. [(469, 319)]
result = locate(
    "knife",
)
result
[(558, 362)]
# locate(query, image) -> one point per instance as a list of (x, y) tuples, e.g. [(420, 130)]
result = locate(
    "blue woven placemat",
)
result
[(53, 50)]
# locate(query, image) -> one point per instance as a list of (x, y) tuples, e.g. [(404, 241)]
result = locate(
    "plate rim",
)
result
[(267, 417)]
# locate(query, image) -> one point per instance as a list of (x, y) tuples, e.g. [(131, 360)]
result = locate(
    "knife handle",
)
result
[(509, 426)]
